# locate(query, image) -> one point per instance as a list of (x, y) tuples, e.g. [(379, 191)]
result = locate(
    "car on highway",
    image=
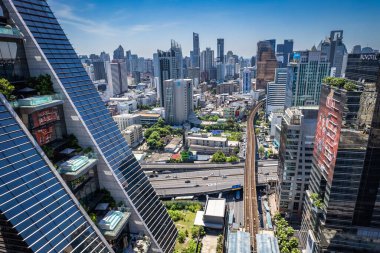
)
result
[(224, 176), (167, 176), (187, 181), (205, 178), (197, 185)]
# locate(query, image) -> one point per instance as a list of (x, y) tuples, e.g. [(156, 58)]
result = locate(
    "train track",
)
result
[(251, 216)]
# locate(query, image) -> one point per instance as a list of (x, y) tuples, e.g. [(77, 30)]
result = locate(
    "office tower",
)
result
[(156, 66), (363, 67), (305, 75), (177, 60), (247, 83), (118, 54), (178, 100), (357, 49), (367, 50), (276, 92), (134, 62), (272, 43), (220, 72), (104, 57), (99, 70), (284, 53), (89, 120), (220, 50), (164, 72), (148, 66), (253, 61), (341, 208), (335, 49), (295, 153), (141, 65), (266, 64), (207, 64), (195, 60), (117, 77)]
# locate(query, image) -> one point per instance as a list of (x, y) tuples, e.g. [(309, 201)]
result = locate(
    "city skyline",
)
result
[(96, 25)]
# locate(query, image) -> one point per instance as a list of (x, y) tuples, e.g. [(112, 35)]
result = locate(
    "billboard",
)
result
[(327, 132)]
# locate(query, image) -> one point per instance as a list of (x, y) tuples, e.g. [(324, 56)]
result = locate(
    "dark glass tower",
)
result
[(196, 51), (220, 50), (342, 208), (48, 51)]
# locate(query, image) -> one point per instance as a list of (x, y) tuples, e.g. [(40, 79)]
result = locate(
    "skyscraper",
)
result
[(178, 100), (99, 70), (266, 63), (247, 82), (220, 50), (177, 60), (305, 75), (363, 67), (276, 92), (335, 49), (118, 54), (342, 208), (164, 72), (295, 153), (195, 61), (207, 63), (284, 53), (117, 77), (89, 120)]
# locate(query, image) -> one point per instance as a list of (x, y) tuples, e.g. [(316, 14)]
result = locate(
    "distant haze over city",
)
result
[(145, 26)]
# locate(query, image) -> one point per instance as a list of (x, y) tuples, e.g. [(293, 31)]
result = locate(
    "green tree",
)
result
[(6, 88), (218, 157), (261, 150), (257, 131), (181, 237), (43, 84), (232, 159)]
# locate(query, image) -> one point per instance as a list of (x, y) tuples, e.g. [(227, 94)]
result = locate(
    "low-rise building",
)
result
[(174, 145), (147, 118), (133, 135), (205, 144), (213, 215), (125, 120)]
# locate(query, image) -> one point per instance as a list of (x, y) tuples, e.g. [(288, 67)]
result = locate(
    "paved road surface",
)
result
[(173, 184), (189, 166)]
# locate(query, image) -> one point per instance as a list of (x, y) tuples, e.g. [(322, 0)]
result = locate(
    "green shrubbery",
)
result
[(340, 83), (284, 233), (183, 205), (6, 88), (317, 201), (155, 134)]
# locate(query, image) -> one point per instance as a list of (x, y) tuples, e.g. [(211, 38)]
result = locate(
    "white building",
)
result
[(125, 120), (117, 77), (178, 100), (205, 144), (133, 135), (276, 92)]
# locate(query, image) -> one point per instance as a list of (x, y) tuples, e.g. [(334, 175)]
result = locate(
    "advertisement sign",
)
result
[(44, 135), (44, 117)]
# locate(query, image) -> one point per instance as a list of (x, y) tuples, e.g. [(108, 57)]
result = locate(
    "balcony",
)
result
[(36, 103), (76, 166), (8, 30), (114, 222)]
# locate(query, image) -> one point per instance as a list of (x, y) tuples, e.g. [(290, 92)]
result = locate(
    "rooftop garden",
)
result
[(341, 83), (317, 201), (220, 157), (183, 214)]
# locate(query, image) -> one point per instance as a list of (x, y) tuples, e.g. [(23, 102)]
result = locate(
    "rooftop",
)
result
[(239, 242), (267, 244), (215, 207)]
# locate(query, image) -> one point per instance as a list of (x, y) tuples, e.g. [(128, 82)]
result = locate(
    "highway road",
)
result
[(251, 217), (174, 183), (190, 166)]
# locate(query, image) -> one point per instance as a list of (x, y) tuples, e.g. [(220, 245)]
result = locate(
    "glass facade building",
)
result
[(37, 212), (48, 51), (341, 209), (305, 75)]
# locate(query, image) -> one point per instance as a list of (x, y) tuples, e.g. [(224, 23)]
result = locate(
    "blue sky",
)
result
[(147, 25)]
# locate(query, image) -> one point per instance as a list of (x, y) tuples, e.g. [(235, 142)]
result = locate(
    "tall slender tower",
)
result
[(48, 51), (220, 50), (196, 51)]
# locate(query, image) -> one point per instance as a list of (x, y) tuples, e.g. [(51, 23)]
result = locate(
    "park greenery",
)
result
[(285, 235), (155, 135), (317, 201), (339, 82), (209, 118), (42, 84), (144, 107), (183, 215), (234, 136), (220, 157), (230, 125), (261, 150)]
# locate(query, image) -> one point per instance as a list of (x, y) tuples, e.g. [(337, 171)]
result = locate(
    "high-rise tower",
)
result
[(48, 51), (220, 50), (195, 61)]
